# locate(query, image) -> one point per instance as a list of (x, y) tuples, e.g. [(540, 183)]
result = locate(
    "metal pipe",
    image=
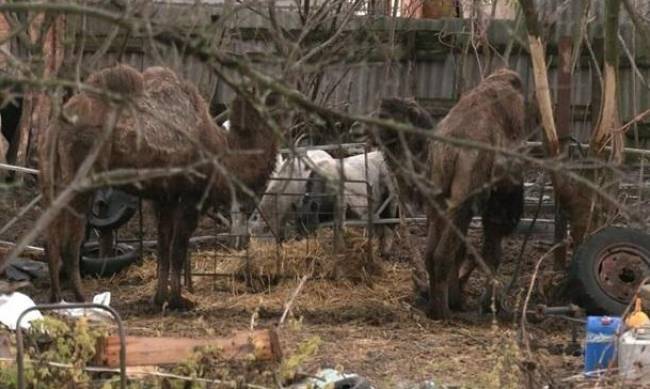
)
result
[(32, 248), (628, 150), (423, 219), (17, 168), (323, 147), (20, 348)]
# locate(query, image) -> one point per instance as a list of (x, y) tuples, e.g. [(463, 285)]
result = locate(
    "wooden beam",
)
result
[(262, 345)]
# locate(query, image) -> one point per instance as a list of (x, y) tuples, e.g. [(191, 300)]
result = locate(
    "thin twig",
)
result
[(530, 292), (289, 303)]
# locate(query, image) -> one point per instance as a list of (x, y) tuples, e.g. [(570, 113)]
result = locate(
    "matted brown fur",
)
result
[(461, 179), (164, 123), (405, 153)]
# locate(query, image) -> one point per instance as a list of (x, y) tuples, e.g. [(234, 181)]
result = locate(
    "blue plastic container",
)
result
[(600, 345)]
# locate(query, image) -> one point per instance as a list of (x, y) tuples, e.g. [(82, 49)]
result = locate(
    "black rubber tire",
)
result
[(120, 209), (92, 266), (583, 276)]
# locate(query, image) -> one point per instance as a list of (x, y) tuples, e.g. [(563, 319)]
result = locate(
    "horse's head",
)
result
[(317, 206)]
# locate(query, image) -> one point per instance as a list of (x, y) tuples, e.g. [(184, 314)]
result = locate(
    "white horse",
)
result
[(367, 189), (284, 193)]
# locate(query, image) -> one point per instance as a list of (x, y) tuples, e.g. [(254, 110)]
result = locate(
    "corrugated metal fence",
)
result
[(359, 86)]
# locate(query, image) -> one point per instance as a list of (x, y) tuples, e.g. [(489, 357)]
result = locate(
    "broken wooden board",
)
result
[(261, 345)]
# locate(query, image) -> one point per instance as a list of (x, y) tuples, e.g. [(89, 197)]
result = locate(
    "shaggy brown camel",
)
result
[(165, 124), (455, 182)]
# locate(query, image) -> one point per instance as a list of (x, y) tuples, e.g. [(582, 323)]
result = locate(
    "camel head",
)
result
[(243, 112), (254, 139), (405, 153), (405, 111)]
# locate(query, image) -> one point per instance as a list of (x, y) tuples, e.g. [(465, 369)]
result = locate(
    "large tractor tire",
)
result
[(607, 269)]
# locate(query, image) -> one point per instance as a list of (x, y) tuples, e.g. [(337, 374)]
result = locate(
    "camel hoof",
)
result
[(439, 313), (79, 297), (55, 298), (159, 299), (421, 299), (457, 303), (500, 307), (180, 303)]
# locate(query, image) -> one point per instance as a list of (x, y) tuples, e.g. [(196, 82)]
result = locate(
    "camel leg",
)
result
[(74, 228), (186, 220), (445, 262), (53, 254), (443, 257), (165, 213), (465, 270), (491, 253), (456, 284), (438, 307), (187, 276), (71, 254)]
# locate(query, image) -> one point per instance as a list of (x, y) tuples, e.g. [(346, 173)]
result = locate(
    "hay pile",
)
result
[(271, 262)]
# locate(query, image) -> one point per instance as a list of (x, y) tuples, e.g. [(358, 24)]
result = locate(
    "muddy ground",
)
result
[(370, 329)]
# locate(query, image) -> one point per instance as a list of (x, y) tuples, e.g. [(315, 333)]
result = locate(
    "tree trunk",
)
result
[(542, 90), (46, 52), (583, 206), (608, 118), (563, 115)]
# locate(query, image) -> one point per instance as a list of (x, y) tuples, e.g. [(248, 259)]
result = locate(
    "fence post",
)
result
[(563, 113), (370, 211)]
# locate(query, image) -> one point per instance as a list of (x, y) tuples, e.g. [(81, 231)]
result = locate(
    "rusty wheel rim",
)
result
[(620, 268)]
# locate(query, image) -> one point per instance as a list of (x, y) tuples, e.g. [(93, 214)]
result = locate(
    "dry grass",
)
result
[(370, 328), (266, 261)]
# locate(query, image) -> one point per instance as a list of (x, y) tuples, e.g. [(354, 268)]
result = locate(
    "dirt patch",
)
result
[(370, 329)]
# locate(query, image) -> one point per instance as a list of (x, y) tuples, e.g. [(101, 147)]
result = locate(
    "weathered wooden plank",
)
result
[(262, 345)]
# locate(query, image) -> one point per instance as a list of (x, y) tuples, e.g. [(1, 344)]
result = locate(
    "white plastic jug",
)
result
[(634, 354)]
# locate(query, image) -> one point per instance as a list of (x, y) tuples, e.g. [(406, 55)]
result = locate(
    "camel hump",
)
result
[(158, 74), (122, 79), (509, 76)]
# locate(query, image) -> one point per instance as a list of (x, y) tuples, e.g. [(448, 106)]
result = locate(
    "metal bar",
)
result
[(17, 168), (20, 348), (307, 179), (391, 197), (32, 248), (369, 210), (323, 147), (215, 274), (628, 150), (422, 220)]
